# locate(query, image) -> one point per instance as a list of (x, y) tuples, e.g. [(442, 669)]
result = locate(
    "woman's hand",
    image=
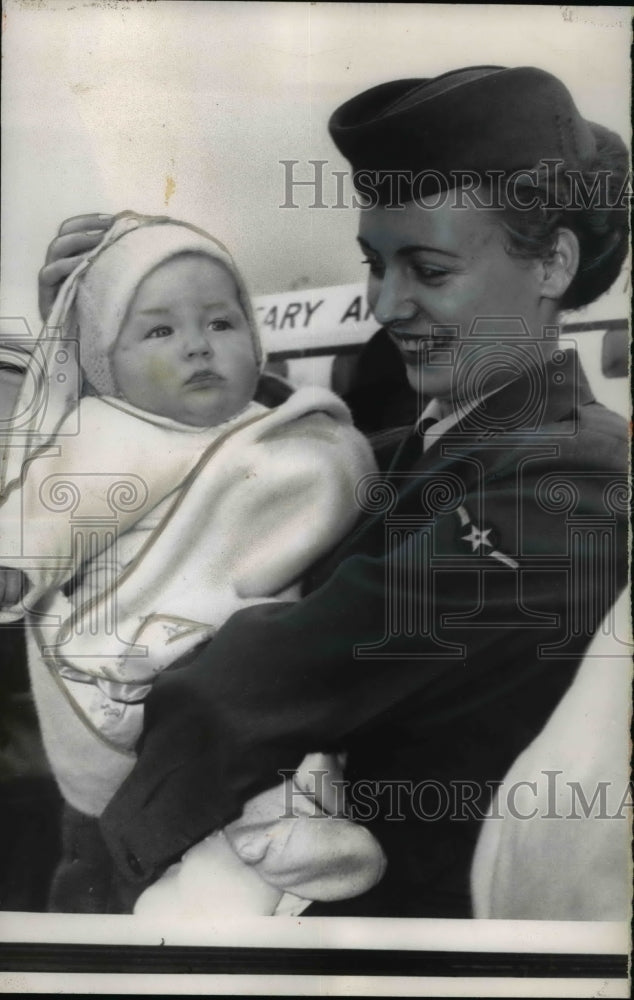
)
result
[(76, 237)]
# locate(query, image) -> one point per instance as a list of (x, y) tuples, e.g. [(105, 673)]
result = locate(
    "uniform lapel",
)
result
[(410, 452)]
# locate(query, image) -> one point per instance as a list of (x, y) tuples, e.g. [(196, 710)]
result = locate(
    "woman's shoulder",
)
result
[(594, 437), (590, 439), (597, 419)]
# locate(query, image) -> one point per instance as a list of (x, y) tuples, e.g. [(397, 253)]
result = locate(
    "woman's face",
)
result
[(434, 273)]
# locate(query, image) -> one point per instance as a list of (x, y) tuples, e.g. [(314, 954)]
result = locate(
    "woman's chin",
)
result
[(430, 381)]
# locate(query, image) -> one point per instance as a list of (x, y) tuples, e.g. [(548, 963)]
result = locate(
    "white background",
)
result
[(104, 101)]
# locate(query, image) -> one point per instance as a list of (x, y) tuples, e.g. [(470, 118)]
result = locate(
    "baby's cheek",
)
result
[(157, 371)]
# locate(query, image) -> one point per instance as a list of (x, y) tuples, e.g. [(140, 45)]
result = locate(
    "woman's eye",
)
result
[(159, 331), (430, 275), (376, 267), (218, 325)]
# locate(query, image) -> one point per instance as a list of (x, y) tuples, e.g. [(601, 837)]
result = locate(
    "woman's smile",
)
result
[(415, 349), (433, 274)]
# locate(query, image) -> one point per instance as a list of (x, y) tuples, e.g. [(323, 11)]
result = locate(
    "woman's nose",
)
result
[(394, 301)]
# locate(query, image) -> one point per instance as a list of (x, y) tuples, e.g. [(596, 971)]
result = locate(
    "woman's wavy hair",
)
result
[(592, 203)]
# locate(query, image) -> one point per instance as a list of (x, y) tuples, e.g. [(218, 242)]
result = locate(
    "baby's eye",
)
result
[(218, 325), (159, 331)]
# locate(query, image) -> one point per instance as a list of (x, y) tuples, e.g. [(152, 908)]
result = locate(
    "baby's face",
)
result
[(185, 349)]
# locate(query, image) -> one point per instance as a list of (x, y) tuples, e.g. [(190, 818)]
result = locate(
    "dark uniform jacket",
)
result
[(433, 646)]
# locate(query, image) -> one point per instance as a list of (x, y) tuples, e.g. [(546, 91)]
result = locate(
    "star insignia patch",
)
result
[(478, 538)]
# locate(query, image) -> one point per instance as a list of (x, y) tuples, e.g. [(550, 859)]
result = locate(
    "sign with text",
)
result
[(314, 319)]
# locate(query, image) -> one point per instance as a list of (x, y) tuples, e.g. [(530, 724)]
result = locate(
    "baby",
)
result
[(148, 501)]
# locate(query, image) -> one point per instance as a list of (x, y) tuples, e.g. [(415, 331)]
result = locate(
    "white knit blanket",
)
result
[(240, 513)]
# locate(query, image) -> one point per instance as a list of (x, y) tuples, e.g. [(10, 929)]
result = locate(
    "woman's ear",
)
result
[(559, 269)]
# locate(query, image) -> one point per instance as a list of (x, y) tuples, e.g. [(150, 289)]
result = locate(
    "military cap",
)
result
[(477, 119)]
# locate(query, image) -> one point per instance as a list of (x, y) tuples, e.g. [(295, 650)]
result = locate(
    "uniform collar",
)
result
[(433, 411)]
